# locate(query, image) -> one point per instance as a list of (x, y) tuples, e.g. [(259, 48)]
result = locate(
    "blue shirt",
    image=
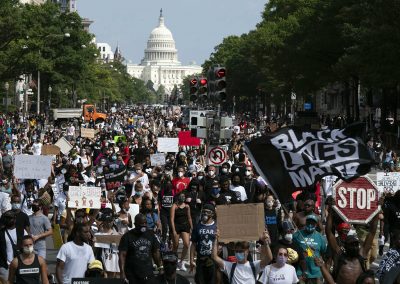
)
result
[(151, 221), (203, 236)]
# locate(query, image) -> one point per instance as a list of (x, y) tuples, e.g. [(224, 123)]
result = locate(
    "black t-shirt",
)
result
[(228, 197), (239, 168), (140, 248), (160, 279), (272, 221)]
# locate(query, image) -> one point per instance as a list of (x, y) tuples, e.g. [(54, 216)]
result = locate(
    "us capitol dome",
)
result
[(160, 63)]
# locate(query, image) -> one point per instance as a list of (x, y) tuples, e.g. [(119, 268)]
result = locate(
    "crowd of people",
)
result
[(175, 229)]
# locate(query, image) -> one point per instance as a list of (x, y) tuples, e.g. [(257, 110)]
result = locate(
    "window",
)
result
[(104, 48)]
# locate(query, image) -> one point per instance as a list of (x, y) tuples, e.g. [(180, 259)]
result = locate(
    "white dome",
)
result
[(160, 46)]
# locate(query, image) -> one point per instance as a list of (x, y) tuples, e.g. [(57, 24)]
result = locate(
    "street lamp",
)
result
[(50, 89), (6, 87)]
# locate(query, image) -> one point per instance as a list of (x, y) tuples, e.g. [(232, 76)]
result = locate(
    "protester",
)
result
[(170, 261), (28, 267), (40, 228)]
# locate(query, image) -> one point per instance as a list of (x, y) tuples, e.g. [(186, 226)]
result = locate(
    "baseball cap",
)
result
[(96, 264), (312, 217), (209, 206)]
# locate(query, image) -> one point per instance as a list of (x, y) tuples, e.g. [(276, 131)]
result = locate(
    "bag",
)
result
[(45, 199), (15, 249)]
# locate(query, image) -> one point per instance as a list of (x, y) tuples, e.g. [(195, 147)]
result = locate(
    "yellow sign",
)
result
[(57, 239)]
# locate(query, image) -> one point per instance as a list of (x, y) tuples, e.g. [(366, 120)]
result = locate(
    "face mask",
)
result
[(139, 193), (103, 163), (211, 173), (27, 250), (114, 158), (215, 191), (200, 177), (224, 170), (205, 218), (10, 223), (310, 228), (79, 220), (247, 173), (143, 229), (235, 183), (63, 171), (270, 204), (180, 174), (181, 199), (281, 260), (240, 256), (35, 208), (288, 237), (15, 206)]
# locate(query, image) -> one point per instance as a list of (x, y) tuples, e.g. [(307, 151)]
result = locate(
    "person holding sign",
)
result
[(243, 271)]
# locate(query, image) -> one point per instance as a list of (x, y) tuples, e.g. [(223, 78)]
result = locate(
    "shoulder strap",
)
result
[(253, 268), (13, 245), (232, 272)]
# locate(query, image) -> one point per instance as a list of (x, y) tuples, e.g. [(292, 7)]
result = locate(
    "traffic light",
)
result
[(193, 84), (203, 89), (220, 83)]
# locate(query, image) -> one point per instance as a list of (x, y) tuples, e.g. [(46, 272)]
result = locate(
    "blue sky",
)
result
[(197, 26)]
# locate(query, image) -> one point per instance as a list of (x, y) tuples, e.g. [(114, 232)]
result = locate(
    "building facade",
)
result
[(105, 52), (160, 64)]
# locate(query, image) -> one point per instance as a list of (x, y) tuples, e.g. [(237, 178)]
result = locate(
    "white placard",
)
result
[(84, 197), (32, 166), (157, 159), (388, 182), (64, 145), (167, 145)]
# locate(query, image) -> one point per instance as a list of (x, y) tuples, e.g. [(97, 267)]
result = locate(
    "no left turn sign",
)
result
[(216, 155)]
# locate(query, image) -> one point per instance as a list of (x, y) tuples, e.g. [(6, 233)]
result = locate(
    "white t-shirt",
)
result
[(13, 235), (243, 273), (61, 203), (5, 204), (240, 190), (76, 259), (283, 275), (37, 148), (144, 180)]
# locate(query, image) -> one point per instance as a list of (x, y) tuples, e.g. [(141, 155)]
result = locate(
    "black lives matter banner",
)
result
[(115, 179), (293, 158)]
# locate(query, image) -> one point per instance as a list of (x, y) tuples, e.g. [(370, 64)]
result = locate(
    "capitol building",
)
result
[(160, 63)]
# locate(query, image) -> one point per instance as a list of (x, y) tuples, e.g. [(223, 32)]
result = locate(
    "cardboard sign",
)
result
[(50, 150), (388, 182), (166, 145), (84, 197), (107, 239), (115, 179), (157, 159), (87, 132), (64, 145), (357, 201), (57, 239), (32, 166), (240, 222)]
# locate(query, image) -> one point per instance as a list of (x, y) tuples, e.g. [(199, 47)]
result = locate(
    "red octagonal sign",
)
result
[(357, 201)]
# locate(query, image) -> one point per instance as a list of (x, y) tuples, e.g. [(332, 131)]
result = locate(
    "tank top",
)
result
[(181, 217), (28, 274)]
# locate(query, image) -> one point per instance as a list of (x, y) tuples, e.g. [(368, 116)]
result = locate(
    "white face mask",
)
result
[(211, 173), (28, 250), (180, 174), (200, 177), (247, 173), (224, 170), (288, 237)]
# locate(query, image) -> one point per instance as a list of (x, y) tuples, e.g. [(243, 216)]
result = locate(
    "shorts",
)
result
[(182, 228)]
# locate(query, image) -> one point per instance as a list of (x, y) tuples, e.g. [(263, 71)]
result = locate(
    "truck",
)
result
[(61, 116)]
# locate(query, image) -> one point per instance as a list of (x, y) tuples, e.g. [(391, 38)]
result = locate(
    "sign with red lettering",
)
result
[(357, 201)]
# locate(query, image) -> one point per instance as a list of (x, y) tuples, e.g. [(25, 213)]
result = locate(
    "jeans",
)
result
[(165, 224)]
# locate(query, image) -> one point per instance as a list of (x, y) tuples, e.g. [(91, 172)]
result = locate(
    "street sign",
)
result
[(356, 202), (216, 155)]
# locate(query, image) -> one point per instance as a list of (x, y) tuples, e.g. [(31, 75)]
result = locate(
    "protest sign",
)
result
[(50, 150), (57, 239), (115, 179), (84, 197), (166, 145), (32, 166), (157, 159), (64, 145), (119, 139), (104, 241), (240, 222), (87, 132), (388, 182), (97, 281)]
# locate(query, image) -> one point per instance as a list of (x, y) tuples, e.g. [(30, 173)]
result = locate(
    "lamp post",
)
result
[(6, 87), (50, 89)]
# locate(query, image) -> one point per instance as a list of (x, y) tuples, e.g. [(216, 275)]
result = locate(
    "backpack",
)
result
[(253, 268)]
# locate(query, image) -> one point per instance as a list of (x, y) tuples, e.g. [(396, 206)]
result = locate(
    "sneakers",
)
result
[(181, 266)]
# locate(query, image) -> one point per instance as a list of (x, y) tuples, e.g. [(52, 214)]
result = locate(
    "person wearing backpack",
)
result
[(243, 271)]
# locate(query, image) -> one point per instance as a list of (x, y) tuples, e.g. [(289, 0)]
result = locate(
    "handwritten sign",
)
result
[(64, 145), (166, 145), (84, 197), (32, 166), (87, 132), (388, 182), (115, 179), (157, 159)]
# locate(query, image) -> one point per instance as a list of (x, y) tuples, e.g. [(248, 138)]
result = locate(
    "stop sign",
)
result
[(357, 201)]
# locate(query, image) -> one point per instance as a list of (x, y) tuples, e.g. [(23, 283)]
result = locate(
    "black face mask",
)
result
[(35, 208), (10, 223)]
